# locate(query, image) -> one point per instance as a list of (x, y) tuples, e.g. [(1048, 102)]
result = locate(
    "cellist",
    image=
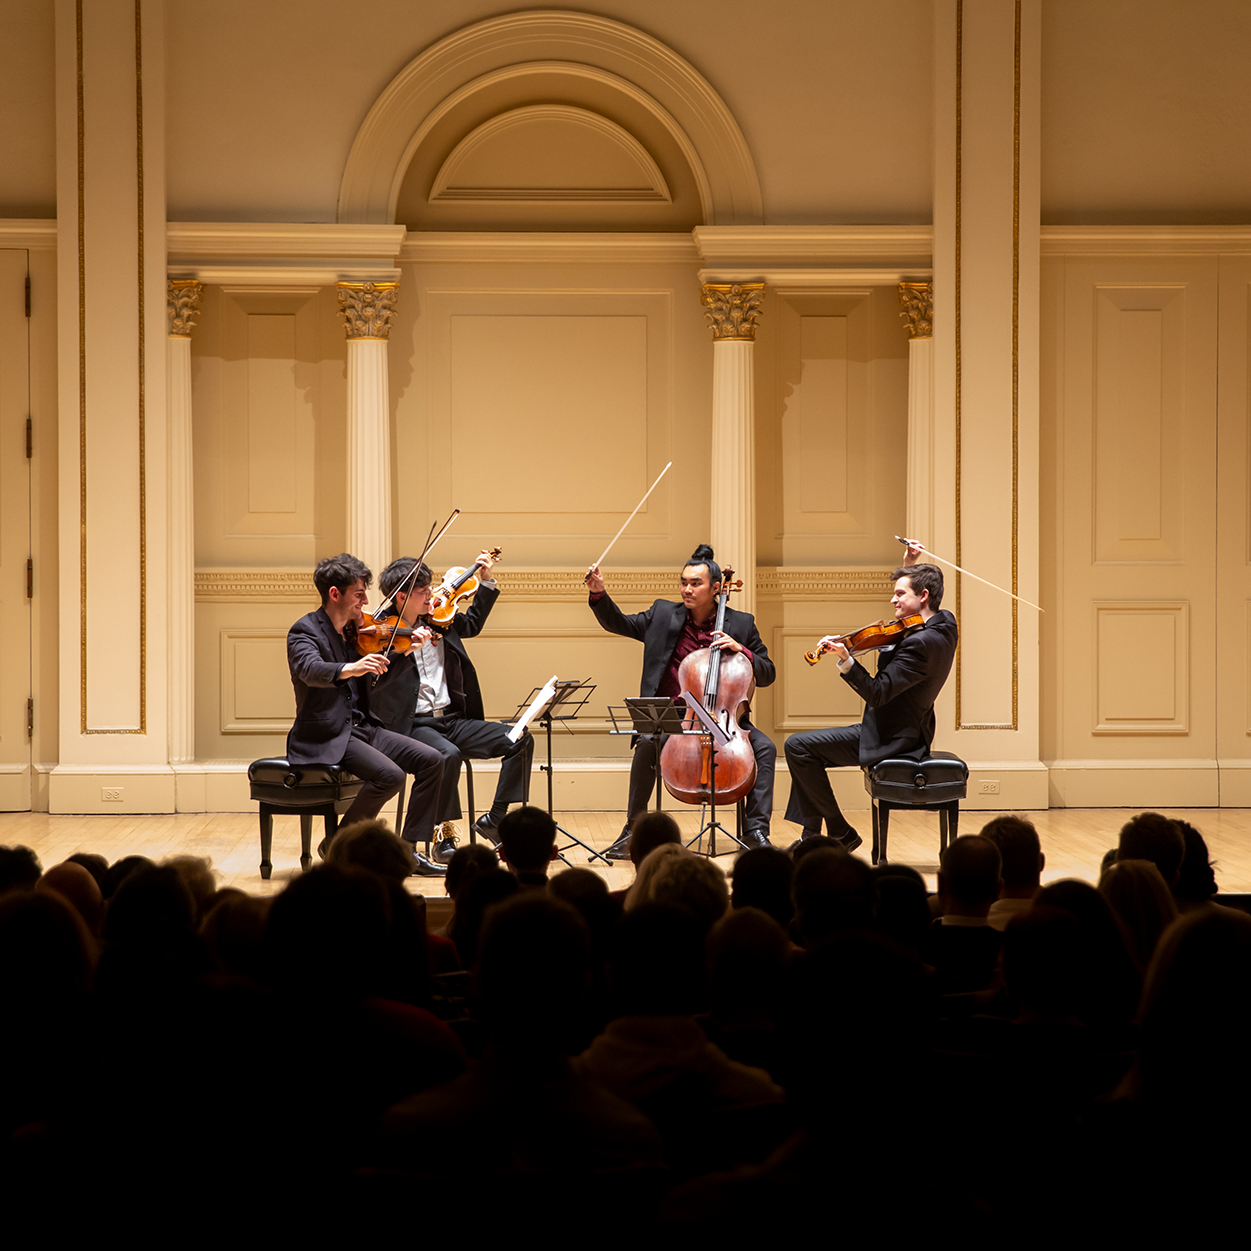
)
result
[(669, 632)]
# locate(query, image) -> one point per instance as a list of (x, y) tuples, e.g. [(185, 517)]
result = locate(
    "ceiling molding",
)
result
[(1139, 240), (547, 247), (38, 234), (582, 42)]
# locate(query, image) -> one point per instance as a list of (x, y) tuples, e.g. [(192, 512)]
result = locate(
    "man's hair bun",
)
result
[(700, 555)]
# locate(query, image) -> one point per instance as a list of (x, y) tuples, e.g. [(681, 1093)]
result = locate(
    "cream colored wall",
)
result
[(1145, 517)]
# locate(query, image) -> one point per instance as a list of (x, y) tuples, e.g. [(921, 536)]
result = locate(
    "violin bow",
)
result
[(952, 564), (431, 540), (630, 518)]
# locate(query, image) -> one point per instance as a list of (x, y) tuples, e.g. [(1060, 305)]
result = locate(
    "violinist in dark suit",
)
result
[(899, 714), (433, 696), (669, 633), (333, 723)]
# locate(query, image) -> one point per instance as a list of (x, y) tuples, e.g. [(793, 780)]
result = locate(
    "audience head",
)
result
[(1114, 983), (327, 934), (970, 876), (833, 892), (95, 864), (1046, 966), (197, 873), (485, 891), (152, 906), (650, 830), (1196, 1022), (527, 840), (903, 910), (747, 953), (233, 930), (79, 889), (761, 878), (1019, 850), (372, 846), (19, 869), (1143, 903), (650, 867), (532, 975), (467, 864), (818, 842), (120, 870), (1150, 836), (1197, 882), (695, 884), (657, 963)]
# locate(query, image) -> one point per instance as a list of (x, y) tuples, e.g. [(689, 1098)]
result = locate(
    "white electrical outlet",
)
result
[(111, 794), (988, 786)]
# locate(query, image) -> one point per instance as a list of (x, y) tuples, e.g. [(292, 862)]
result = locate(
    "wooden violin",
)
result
[(867, 638), (724, 682), (458, 584), (387, 634)]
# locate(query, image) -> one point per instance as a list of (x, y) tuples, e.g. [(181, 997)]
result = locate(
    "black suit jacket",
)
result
[(899, 717), (394, 699), (323, 700), (659, 627)]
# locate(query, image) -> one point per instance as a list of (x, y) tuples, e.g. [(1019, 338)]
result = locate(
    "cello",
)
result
[(724, 684)]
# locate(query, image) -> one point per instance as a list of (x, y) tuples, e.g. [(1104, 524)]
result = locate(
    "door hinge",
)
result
[(30, 578), (27, 295), (30, 718), (30, 437)]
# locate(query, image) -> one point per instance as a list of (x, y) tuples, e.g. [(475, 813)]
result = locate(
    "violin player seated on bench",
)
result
[(899, 703)]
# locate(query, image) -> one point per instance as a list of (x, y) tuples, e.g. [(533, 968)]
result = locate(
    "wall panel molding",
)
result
[(1142, 667)]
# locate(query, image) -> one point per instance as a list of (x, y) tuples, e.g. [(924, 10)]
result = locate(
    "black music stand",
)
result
[(652, 717), (566, 699), (709, 728)]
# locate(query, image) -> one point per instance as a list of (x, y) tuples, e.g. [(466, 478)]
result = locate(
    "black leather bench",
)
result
[(304, 791), (936, 784)]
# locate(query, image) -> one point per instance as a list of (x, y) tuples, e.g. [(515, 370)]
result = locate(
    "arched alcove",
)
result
[(613, 96)]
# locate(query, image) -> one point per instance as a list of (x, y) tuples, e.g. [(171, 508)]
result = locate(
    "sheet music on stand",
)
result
[(649, 715), (555, 700)]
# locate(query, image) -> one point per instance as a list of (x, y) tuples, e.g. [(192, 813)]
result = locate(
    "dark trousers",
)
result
[(382, 759), (461, 738), (759, 800), (808, 755)]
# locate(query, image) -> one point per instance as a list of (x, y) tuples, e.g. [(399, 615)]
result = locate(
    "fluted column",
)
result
[(917, 299), (367, 309), (733, 310), (184, 307)]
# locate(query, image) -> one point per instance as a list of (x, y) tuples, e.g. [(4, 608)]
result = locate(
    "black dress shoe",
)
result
[(620, 850), (484, 827), (423, 867), (756, 838), (849, 840), (446, 836)]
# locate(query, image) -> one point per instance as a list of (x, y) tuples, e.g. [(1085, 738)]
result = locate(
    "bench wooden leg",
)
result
[(884, 808), (267, 842), (876, 831), (306, 840)]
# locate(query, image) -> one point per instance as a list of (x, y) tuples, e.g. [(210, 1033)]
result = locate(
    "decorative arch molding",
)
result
[(577, 43)]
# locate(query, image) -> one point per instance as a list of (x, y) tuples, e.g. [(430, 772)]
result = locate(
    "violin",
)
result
[(382, 634), (724, 683), (458, 584), (867, 638)]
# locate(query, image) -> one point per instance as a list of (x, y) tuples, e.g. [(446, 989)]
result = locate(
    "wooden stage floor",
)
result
[(1074, 841)]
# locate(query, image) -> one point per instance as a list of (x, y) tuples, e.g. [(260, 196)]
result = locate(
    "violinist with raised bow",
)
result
[(669, 633), (899, 703)]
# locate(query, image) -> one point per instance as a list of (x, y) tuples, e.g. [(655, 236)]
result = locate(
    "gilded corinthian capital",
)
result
[(367, 308), (917, 299), (183, 306), (733, 308)]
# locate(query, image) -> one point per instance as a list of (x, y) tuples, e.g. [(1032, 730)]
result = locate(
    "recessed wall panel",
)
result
[(1141, 668), (271, 413), (256, 692)]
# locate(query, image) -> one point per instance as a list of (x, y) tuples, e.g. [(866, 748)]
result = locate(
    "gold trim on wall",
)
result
[(528, 586), (142, 728), (1016, 284)]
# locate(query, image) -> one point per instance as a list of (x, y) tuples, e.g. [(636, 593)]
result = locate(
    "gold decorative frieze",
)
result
[(368, 308), (795, 585), (733, 308), (234, 586), (917, 299), (183, 305)]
